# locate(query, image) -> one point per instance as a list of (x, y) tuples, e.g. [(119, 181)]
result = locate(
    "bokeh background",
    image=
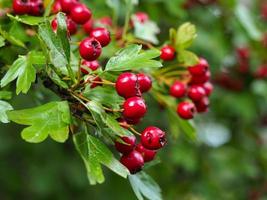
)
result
[(229, 159)]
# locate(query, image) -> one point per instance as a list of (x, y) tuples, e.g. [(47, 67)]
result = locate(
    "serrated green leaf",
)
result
[(4, 107), (5, 95), (11, 39), (144, 186), (27, 19), (187, 58), (49, 119), (130, 58), (2, 41), (186, 34), (94, 153)]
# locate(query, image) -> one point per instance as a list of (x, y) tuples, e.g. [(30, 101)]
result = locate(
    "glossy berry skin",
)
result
[(200, 79), (133, 161), (167, 53), (202, 105), (134, 108), (147, 154), (80, 13), (153, 138), (56, 7), (90, 65), (88, 26), (127, 85), (144, 81), (71, 26), (142, 17), (102, 35), (20, 7), (128, 146), (186, 110), (178, 89), (67, 5), (196, 92), (36, 7), (90, 49), (199, 69), (208, 87)]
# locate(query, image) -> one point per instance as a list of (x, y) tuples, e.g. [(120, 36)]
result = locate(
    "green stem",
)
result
[(127, 18), (71, 74)]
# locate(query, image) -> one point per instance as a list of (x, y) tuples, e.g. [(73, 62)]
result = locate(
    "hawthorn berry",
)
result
[(67, 5), (147, 154), (144, 81), (127, 85), (133, 121), (128, 146), (208, 87), (153, 138), (94, 84), (200, 79), (167, 53), (134, 108), (80, 13), (90, 49), (88, 26), (202, 105), (199, 69), (92, 65), (36, 7), (178, 89), (186, 110), (71, 25), (20, 7), (102, 35), (196, 92), (56, 7), (134, 161)]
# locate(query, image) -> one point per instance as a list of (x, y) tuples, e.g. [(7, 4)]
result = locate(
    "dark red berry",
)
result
[(196, 92), (200, 79), (90, 49), (142, 17), (186, 110), (127, 85), (56, 7), (89, 65), (133, 121), (133, 161), (178, 89), (134, 108), (20, 7), (199, 69), (127, 146), (202, 105), (147, 154), (208, 87), (96, 82), (36, 7), (88, 26), (102, 35), (80, 13), (144, 81), (71, 26), (153, 138), (261, 72), (243, 53), (167, 53), (67, 5)]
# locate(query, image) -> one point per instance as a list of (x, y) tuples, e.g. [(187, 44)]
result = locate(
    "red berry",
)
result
[(202, 105), (186, 110), (243, 53), (106, 21), (133, 121), (167, 53), (89, 65), (208, 87), (261, 72), (134, 108), (56, 7), (142, 17), (133, 161), (153, 138), (97, 79), (88, 26), (20, 7), (36, 7), (90, 49), (128, 146), (127, 85), (71, 26), (178, 89), (80, 13), (144, 81), (196, 92), (200, 79), (147, 154), (67, 5), (199, 69), (102, 35)]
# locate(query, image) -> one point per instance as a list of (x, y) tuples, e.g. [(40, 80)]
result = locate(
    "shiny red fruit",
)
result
[(153, 138), (67, 5), (167, 53), (102, 35), (21, 7), (127, 146), (36, 7), (196, 92), (133, 161), (200, 79), (90, 49), (186, 110), (178, 89), (199, 69), (147, 154), (202, 105), (208, 87), (89, 65), (80, 13), (71, 26), (56, 7), (144, 81), (134, 108), (127, 85), (88, 26)]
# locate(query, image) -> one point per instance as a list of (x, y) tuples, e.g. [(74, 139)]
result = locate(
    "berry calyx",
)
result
[(134, 161), (199, 69), (153, 138), (178, 89), (196, 92), (67, 5), (80, 13), (88, 26), (147, 154), (127, 85), (90, 49), (89, 65), (186, 110), (144, 81), (102, 35), (127, 146), (167, 53), (134, 108)]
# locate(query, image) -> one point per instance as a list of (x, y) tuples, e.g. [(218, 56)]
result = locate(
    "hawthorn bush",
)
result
[(117, 81)]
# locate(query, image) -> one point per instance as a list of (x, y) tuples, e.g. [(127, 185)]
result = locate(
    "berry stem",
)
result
[(134, 131)]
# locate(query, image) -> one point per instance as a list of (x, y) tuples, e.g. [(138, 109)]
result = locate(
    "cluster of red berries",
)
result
[(30, 7), (131, 86)]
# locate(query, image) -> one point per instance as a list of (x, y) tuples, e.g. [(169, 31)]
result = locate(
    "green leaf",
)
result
[(187, 58), (186, 34), (5, 95), (26, 19), (144, 186), (48, 8), (130, 58), (94, 153), (172, 35), (4, 107), (50, 119), (2, 41), (11, 39)]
